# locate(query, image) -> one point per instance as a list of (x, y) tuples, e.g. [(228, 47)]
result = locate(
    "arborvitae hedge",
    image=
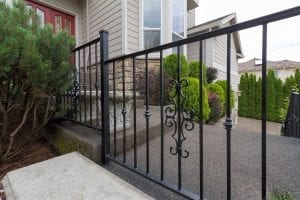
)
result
[(223, 84), (258, 99), (277, 93), (271, 96), (243, 98)]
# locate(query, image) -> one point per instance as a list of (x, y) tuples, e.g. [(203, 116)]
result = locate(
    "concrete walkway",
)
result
[(68, 177), (283, 161)]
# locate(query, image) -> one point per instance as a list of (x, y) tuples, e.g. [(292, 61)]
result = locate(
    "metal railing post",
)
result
[(104, 96)]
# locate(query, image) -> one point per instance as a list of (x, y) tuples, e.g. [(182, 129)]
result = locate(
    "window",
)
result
[(178, 18), (177, 22), (152, 23), (41, 16), (58, 23)]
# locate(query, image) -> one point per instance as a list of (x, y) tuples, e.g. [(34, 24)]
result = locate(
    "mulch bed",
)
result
[(37, 151)]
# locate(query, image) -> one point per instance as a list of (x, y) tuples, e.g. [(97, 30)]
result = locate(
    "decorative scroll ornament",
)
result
[(178, 117), (75, 96)]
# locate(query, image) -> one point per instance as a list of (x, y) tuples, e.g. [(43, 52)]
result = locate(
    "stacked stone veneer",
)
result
[(91, 74)]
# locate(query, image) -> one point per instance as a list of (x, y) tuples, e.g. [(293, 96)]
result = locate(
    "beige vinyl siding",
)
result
[(105, 15), (191, 18), (220, 52), (193, 51), (132, 26)]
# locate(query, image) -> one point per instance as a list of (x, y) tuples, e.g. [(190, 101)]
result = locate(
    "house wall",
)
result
[(191, 18), (104, 15), (132, 26)]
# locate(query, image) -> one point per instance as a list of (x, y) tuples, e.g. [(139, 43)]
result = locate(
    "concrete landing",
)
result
[(68, 177)]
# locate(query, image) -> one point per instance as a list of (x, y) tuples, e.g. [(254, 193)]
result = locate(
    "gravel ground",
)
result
[(283, 161)]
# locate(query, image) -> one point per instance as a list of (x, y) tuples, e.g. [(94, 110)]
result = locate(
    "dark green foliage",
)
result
[(277, 195), (34, 69), (297, 78), (243, 98), (211, 74), (216, 107), (251, 95), (171, 65), (223, 84), (258, 99), (191, 92), (194, 70), (271, 96), (218, 90)]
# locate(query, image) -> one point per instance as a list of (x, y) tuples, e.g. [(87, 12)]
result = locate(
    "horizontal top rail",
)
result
[(292, 12), (86, 44)]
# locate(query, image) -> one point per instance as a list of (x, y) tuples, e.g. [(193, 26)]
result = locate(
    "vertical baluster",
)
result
[(147, 115), (84, 86), (90, 85), (228, 121), (201, 118), (134, 113), (161, 116), (124, 111), (264, 113), (115, 110), (97, 85), (79, 85), (179, 111)]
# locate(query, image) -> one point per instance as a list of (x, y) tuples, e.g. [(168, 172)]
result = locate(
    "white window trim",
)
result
[(184, 26), (142, 28)]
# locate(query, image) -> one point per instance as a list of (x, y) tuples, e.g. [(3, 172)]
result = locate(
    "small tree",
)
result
[(223, 84), (170, 64), (34, 68), (251, 95), (243, 98), (194, 68), (258, 90), (211, 74)]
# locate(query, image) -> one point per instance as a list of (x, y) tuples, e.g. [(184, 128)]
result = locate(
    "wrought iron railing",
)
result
[(291, 126), (118, 81)]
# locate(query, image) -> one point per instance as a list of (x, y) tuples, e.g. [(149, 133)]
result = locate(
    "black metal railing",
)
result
[(82, 103), (291, 126), (118, 84)]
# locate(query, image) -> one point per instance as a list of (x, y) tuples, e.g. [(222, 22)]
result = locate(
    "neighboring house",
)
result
[(282, 69), (214, 49), (133, 25)]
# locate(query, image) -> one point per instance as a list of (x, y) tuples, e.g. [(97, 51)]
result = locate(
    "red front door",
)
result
[(59, 20)]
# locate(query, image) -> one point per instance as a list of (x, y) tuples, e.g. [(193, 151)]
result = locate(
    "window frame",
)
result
[(143, 29)]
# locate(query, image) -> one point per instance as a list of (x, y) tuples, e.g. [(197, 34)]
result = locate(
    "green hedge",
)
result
[(170, 64), (278, 94), (194, 70), (191, 92), (218, 90), (223, 84)]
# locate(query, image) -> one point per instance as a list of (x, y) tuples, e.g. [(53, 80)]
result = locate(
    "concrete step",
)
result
[(68, 136), (68, 177)]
